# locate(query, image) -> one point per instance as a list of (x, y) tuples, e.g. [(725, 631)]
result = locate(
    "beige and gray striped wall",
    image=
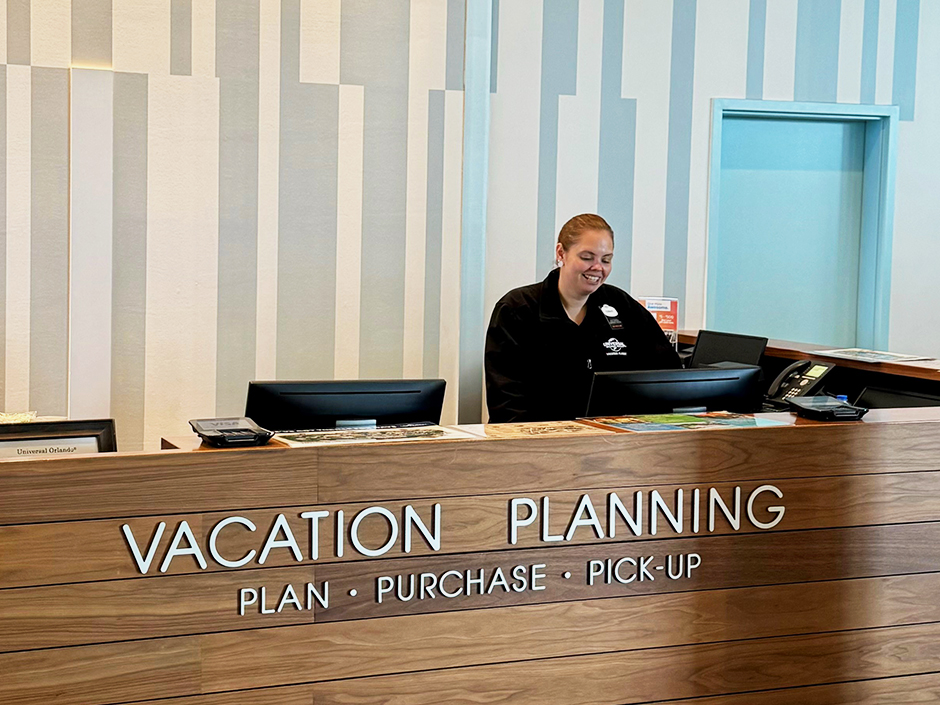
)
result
[(196, 193)]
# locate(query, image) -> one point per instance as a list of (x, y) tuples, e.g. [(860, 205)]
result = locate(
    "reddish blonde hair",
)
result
[(572, 230)]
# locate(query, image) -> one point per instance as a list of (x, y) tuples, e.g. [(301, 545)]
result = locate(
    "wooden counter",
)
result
[(791, 351), (824, 595)]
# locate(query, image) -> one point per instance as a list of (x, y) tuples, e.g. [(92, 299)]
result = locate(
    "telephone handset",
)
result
[(801, 379)]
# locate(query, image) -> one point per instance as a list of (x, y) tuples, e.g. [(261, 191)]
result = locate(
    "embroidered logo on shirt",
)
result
[(616, 347)]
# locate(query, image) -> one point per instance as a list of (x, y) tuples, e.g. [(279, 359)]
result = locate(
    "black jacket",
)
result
[(539, 363)]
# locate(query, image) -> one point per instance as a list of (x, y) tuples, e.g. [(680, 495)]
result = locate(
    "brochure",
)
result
[(387, 434), (656, 423), (540, 428), (862, 355), (666, 312)]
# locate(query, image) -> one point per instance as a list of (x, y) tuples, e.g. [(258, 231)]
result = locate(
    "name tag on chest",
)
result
[(613, 320)]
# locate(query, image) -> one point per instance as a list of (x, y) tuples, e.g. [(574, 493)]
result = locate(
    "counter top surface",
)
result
[(790, 350)]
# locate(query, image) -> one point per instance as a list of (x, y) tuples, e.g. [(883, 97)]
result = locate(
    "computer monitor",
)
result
[(730, 388), (290, 406), (712, 346)]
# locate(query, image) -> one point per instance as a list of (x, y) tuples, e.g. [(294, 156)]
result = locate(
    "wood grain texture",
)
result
[(118, 610), (726, 561), (633, 677), (147, 484), (368, 647), (143, 484), (842, 592), (657, 674), (32, 554), (116, 674), (370, 473), (902, 690), (154, 607), (129, 609), (274, 657)]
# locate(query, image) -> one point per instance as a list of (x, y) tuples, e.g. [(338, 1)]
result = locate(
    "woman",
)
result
[(546, 340)]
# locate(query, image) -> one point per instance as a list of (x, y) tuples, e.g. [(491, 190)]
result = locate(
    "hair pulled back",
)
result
[(572, 230)]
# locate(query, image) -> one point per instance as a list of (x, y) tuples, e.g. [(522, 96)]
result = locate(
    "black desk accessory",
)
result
[(232, 432), (823, 408)]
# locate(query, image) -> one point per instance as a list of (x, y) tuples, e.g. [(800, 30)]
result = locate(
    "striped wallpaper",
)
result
[(197, 193)]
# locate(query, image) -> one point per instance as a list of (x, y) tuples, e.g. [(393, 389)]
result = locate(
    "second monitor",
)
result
[(732, 388), (292, 406)]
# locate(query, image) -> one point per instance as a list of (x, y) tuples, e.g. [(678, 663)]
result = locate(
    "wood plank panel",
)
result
[(349, 474), (63, 489), (901, 690), (726, 561), (142, 484), (633, 677), (97, 550), (657, 674), (269, 657), (117, 673), (889, 691), (369, 647), (842, 590), (118, 610), (128, 609)]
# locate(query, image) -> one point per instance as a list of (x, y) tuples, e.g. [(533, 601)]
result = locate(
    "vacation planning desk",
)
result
[(790, 564)]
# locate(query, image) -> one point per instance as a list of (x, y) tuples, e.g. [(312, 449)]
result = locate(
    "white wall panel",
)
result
[(3, 31), (720, 71), (92, 119), (18, 166), (51, 33), (780, 49), (450, 251), (349, 232), (269, 127), (851, 31), (203, 63), (427, 65), (884, 71), (182, 253), (512, 198), (141, 36), (319, 41), (579, 122), (647, 62), (915, 303)]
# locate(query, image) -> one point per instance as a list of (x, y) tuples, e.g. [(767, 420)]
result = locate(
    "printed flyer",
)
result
[(666, 313), (657, 423), (303, 439)]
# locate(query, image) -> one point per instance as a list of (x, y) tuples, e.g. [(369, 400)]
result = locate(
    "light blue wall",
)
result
[(787, 186)]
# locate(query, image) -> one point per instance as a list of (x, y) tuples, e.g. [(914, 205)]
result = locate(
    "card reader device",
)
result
[(232, 432), (823, 408)]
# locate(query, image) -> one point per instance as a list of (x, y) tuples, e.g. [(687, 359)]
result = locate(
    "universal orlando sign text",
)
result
[(644, 515)]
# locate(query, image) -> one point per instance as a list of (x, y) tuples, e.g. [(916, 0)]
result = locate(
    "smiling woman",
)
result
[(546, 340)]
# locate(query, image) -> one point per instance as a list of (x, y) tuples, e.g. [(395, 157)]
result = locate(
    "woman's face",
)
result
[(586, 264)]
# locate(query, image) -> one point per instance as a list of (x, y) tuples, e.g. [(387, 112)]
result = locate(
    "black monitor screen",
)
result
[(665, 391), (712, 346), (290, 406)]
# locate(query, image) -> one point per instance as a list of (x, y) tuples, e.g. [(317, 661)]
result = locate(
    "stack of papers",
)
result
[(653, 423), (862, 355), (388, 434)]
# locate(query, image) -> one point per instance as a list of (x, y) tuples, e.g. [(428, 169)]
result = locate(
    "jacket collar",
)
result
[(550, 308)]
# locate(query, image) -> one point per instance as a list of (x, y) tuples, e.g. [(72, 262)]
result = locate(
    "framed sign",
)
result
[(48, 439)]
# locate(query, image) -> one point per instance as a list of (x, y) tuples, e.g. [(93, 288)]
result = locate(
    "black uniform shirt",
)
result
[(539, 363)]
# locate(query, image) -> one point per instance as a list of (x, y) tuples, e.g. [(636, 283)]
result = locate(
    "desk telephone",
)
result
[(803, 378)]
